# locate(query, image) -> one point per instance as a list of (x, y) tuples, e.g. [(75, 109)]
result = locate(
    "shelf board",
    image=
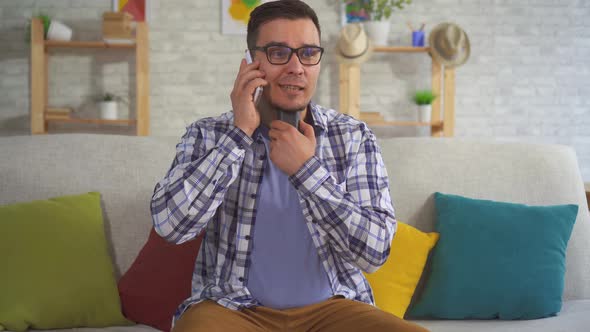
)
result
[(401, 49), (371, 117), (376, 119), (85, 44), (406, 123), (129, 122)]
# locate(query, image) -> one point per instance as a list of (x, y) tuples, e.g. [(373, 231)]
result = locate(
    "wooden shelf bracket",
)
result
[(443, 85), (39, 79)]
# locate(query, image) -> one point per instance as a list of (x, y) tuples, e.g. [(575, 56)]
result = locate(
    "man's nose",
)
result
[(294, 66)]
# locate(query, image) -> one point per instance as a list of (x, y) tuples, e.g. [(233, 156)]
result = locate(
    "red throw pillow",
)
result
[(158, 281)]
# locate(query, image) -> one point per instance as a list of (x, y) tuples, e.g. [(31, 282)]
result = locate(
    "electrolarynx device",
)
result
[(291, 118)]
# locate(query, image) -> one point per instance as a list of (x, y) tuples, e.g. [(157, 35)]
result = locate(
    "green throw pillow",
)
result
[(56, 269), (496, 260)]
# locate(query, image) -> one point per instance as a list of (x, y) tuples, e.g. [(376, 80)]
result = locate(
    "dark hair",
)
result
[(289, 9)]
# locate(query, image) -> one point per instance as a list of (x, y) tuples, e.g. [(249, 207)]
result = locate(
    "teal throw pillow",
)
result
[(496, 260), (56, 269)]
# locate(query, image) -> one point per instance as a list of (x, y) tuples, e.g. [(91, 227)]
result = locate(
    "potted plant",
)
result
[(108, 106), (52, 29), (59, 31), (45, 19), (424, 99), (379, 12)]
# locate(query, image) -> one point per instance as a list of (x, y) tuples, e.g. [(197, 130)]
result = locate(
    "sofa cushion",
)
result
[(395, 282), (496, 260), (526, 173), (56, 269), (574, 316), (158, 281)]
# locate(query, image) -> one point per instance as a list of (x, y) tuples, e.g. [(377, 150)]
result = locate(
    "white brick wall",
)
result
[(526, 79)]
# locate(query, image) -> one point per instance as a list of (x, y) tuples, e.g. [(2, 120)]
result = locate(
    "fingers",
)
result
[(281, 130), (248, 66), (253, 84), (307, 130), (246, 73), (280, 125), (245, 79), (278, 135), (242, 64), (273, 134)]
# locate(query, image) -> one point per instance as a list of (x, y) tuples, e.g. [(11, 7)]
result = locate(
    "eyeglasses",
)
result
[(280, 55)]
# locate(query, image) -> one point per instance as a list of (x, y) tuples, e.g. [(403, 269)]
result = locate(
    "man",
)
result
[(291, 217)]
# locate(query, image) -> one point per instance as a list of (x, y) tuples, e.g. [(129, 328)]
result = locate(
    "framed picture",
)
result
[(352, 12), (235, 15), (139, 9)]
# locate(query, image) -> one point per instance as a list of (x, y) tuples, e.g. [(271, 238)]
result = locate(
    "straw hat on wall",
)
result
[(353, 45), (449, 44)]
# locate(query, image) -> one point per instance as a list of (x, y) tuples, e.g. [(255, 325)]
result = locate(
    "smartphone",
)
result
[(258, 90)]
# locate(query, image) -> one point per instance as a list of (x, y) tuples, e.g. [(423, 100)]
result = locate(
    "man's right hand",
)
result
[(249, 77)]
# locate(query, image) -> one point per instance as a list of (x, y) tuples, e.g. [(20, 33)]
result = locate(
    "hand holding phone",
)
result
[(258, 90), (291, 118)]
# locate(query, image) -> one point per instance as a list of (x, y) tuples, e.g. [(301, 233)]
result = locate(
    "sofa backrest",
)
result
[(125, 169), (527, 173)]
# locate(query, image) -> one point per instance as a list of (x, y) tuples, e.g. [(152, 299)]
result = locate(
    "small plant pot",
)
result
[(108, 110), (59, 31), (424, 113), (378, 31)]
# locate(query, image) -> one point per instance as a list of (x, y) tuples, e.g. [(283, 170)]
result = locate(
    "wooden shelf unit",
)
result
[(87, 44), (350, 85), (437, 124), (39, 79), (401, 49), (95, 121)]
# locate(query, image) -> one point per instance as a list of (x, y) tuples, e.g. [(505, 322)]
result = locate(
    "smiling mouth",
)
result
[(293, 88)]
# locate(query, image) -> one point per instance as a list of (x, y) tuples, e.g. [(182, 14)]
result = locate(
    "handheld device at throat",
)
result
[(291, 118)]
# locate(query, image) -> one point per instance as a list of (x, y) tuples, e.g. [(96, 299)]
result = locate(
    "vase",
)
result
[(59, 31), (378, 31), (424, 113), (108, 110)]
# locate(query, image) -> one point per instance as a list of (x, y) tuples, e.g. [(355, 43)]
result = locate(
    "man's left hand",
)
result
[(290, 149)]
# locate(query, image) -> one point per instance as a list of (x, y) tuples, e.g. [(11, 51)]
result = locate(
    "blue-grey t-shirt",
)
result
[(285, 270)]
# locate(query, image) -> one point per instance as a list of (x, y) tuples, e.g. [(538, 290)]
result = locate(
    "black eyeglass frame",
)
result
[(293, 51)]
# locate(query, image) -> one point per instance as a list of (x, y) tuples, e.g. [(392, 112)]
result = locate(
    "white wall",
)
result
[(526, 79)]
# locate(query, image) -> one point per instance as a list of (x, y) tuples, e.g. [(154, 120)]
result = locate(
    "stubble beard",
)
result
[(269, 110)]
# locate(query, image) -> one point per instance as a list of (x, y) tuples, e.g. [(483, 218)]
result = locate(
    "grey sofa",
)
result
[(125, 169)]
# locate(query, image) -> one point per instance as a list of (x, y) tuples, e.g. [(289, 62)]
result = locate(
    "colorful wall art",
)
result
[(235, 15)]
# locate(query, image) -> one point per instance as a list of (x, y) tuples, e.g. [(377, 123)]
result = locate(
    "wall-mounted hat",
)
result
[(449, 44), (353, 45)]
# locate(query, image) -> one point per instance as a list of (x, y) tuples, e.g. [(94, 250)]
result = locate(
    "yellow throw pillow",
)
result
[(395, 282)]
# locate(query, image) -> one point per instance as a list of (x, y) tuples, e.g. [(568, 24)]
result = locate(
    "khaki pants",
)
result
[(336, 314)]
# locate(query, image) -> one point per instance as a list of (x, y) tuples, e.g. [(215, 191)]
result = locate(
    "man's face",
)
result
[(290, 86)]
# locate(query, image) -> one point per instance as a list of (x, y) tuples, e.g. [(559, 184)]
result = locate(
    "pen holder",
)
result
[(418, 38)]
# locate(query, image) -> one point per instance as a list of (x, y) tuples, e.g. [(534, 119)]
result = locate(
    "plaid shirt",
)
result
[(213, 183)]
